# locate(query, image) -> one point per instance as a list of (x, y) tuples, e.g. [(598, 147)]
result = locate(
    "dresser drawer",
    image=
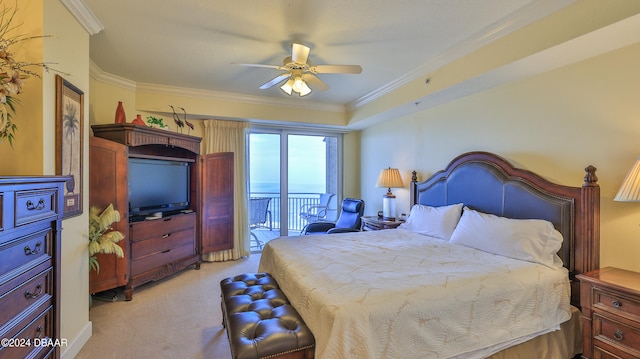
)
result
[(600, 353), (615, 302), (160, 259), (156, 245), (35, 205), (33, 340), (31, 292), (34, 248), (620, 336), (161, 227)]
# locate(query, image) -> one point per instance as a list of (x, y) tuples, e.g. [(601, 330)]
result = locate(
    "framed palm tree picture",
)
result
[(69, 131)]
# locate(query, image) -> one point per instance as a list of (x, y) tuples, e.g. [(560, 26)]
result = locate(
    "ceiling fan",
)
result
[(299, 73)]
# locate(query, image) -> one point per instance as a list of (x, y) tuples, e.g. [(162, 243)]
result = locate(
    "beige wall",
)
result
[(106, 95), (68, 48), (555, 124)]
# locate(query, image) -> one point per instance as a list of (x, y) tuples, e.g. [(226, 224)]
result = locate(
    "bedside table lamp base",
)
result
[(389, 207)]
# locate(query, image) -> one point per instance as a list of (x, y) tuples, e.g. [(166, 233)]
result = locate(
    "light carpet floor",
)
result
[(176, 317)]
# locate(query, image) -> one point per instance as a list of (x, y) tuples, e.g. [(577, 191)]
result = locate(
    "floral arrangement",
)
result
[(13, 72)]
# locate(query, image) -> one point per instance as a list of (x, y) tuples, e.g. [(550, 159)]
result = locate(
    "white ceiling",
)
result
[(193, 43)]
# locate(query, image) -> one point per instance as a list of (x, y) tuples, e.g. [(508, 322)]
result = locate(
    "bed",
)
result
[(404, 293)]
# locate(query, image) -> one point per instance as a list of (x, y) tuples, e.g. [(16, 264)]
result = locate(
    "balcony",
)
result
[(268, 231)]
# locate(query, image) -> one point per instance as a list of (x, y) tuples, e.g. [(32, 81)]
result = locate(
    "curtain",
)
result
[(231, 136)]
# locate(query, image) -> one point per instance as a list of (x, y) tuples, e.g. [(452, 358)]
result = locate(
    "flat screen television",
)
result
[(157, 186)]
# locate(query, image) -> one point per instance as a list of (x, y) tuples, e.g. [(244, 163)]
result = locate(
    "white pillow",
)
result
[(532, 240), (437, 222)]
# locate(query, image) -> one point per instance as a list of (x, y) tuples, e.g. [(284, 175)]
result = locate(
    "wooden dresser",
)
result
[(610, 301), (30, 230)]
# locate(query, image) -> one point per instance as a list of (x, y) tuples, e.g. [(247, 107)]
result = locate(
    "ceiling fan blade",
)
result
[(300, 53), (275, 81), (277, 67), (336, 69), (315, 82)]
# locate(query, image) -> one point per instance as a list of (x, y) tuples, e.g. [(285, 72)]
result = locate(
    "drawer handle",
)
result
[(166, 235), (618, 335), (35, 295), (39, 331), (31, 252), (616, 304), (32, 207)]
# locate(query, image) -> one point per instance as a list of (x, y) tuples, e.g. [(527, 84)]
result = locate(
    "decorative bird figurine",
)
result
[(189, 124), (177, 119)]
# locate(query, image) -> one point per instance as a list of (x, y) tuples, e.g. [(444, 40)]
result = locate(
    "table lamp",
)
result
[(630, 189), (389, 178)]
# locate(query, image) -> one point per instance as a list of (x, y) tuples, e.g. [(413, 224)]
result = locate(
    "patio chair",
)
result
[(349, 220), (317, 212), (259, 214)]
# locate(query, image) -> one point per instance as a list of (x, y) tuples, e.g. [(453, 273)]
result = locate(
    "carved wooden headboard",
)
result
[(489, 183)]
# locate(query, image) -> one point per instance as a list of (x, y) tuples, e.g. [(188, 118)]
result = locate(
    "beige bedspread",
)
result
[(398, 294)]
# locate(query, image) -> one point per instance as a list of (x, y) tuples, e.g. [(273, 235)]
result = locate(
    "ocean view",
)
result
[(274, 187)]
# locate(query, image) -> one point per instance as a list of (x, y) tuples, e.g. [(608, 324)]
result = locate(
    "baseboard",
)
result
[(72, 350)]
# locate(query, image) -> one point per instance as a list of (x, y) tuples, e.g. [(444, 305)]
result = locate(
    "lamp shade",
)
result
[(630, 189), (389, 178)]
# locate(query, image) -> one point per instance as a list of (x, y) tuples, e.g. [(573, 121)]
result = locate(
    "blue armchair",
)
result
[(349, 220)]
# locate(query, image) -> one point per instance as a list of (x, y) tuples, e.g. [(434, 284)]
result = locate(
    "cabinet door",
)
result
[(216, 201), (108, 184)]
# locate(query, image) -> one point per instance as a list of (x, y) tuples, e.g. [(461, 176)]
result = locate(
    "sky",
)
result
[(307, 161)]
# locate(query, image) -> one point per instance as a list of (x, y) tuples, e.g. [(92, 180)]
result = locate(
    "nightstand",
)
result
[(375, 223), (610, 301)]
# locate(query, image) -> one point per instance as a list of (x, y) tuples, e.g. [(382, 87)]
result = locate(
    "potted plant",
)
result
[(156, 122), (102, 237)]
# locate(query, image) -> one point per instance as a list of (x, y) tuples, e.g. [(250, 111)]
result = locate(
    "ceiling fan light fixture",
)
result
[(300, 86), (299, 72), (305, 90), (288, 86)]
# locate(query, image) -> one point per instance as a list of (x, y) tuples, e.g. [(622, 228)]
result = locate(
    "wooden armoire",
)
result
[(156, 248)]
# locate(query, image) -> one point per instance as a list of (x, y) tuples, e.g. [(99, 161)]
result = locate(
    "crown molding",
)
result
[(96, 72), (83, 15), (520, 18), (234, 97)]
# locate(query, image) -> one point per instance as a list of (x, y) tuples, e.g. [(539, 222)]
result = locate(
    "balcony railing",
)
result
[(295, 202)]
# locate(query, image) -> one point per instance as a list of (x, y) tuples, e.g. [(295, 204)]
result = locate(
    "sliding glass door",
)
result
[(312, 180), (299, 172)]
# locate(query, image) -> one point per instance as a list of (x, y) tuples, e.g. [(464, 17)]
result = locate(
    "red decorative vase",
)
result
[(120, 116), (138, 121)]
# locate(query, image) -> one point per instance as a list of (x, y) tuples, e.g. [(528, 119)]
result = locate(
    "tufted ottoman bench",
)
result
[(260, 321)]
